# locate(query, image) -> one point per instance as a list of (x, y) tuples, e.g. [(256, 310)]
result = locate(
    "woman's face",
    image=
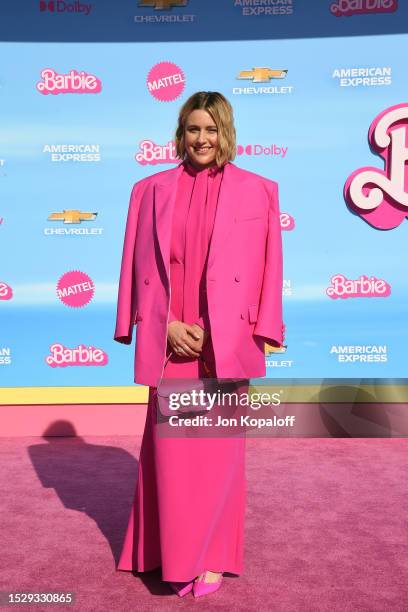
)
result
[(201, 138)]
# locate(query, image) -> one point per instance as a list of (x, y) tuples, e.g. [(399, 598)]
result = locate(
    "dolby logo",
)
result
[(61, 6), (273, 150)]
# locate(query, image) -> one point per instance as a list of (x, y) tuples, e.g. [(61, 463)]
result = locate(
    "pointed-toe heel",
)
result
[(181, 588), (201, 587)]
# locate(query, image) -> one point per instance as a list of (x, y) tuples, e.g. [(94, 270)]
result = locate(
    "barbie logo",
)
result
[(342, 287), (62, 356), (6, 292), (354, 7), (380, 197), (151, 153), (75, 288), (165, 81), (287, 222), (73, 82)]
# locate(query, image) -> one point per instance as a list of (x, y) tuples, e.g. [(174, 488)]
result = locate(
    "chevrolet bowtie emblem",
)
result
[(270, 350), (162, 4), (72, 216), (260, 75)]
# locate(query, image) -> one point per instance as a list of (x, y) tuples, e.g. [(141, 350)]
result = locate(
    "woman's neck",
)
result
[(199, 167)]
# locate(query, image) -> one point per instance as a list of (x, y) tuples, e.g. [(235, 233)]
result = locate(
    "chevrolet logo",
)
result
[(160, 5), (270, 349), (72, 216), (260, 75)]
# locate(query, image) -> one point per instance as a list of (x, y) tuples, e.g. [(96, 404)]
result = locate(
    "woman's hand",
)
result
[(186, 340), (202, 335)]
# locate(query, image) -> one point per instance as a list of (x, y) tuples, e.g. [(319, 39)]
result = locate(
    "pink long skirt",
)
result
[(188, 510)]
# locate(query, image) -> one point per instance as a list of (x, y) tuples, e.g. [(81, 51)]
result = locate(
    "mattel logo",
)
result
[(59, 6), (257, 149), (165, 81), (75, 288)]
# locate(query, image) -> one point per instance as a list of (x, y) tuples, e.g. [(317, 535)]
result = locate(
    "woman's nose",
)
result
[(201, 137)]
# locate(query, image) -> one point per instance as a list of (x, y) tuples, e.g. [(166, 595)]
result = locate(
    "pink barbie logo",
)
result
[(151, 153), (75, 289), (257, 149), (6, 292), (342, 287), (380, 197), (61, 356), (73, 82), (287, 222), (165, 81), (355, 7)]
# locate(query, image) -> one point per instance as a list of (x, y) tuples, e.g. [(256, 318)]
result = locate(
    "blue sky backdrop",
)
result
[(324, 127)]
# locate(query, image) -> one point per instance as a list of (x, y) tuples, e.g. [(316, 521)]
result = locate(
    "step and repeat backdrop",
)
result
[(89, 97)]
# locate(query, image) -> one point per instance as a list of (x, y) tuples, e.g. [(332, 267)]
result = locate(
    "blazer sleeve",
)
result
[(269, 322), (126, 302)]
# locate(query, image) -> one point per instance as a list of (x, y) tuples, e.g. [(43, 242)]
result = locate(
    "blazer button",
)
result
[(237, 278), (242, 315), (146, 281)]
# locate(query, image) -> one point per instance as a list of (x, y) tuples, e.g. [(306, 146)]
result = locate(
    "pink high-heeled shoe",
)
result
[(200, 587), (181, 588)]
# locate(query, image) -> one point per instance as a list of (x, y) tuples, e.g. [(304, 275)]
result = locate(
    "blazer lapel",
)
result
[(164, 200), (228, 204), (229, 201)]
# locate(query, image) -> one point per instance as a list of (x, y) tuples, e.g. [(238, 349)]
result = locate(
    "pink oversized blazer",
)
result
[(244, 274)]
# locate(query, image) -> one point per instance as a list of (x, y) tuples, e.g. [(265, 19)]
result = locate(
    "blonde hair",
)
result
[(221, 112)]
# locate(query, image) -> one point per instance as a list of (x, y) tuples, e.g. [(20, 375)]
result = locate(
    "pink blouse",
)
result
[(193, 222)]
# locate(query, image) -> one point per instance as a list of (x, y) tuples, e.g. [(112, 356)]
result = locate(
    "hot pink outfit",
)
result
[(193, 222), (188, 510)]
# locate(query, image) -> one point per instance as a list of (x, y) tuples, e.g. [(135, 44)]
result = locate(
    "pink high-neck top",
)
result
[(192, 226)]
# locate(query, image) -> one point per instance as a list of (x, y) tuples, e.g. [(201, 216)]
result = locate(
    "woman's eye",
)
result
[(211, 130)]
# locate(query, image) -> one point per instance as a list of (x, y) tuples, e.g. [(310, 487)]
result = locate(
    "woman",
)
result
[(201, 277)]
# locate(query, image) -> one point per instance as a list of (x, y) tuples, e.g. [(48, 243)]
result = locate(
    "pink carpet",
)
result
[(326, 525)]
